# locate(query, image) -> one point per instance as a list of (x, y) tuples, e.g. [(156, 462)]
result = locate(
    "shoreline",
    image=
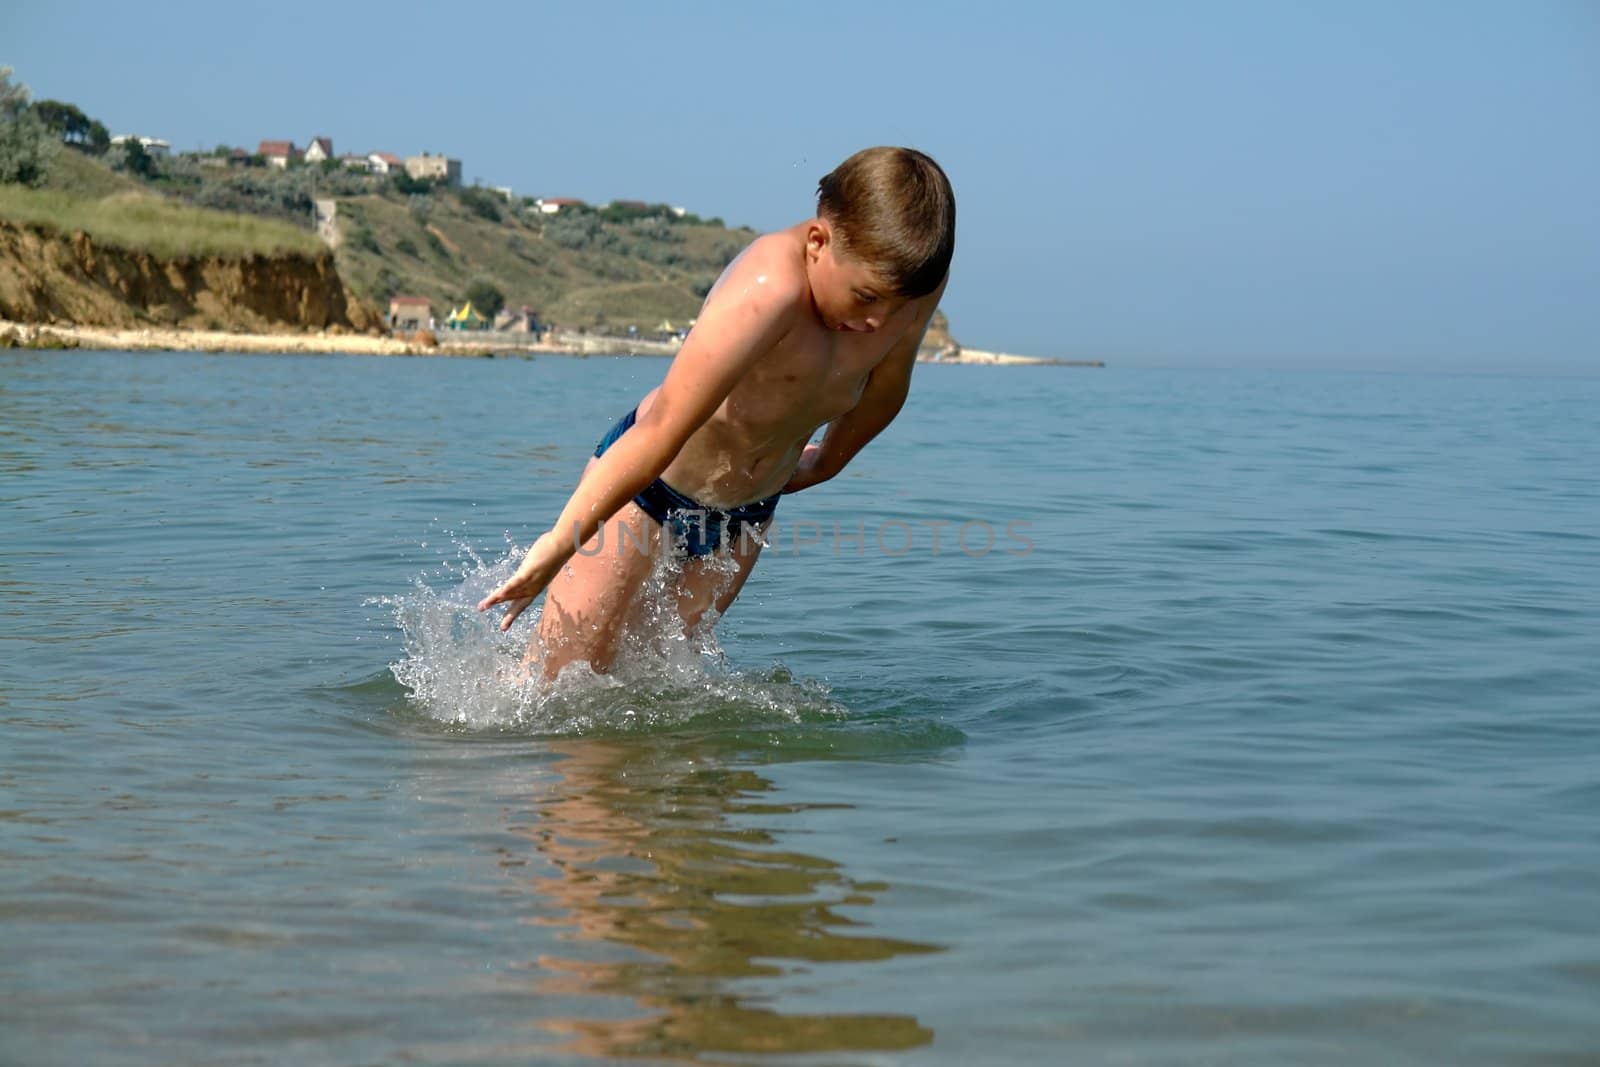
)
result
[(175, 339), (977, 357)]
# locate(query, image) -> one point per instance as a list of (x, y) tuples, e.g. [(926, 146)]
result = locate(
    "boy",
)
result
[(816, 324)]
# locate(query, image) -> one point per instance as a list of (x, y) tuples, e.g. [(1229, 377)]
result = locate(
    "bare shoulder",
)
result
[(769, 271), (751, 309)]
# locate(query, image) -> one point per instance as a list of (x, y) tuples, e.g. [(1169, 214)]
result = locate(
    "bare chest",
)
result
[(809, 379)]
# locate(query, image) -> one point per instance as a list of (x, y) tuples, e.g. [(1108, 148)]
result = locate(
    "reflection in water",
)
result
[(649, 860)]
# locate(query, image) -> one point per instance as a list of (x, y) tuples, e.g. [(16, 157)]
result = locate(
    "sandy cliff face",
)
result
[(46, 277)]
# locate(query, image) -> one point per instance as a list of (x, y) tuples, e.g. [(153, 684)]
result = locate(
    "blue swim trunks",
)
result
[(699, 528)]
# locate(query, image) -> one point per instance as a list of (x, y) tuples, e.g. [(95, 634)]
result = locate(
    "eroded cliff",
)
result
[(50, 277)]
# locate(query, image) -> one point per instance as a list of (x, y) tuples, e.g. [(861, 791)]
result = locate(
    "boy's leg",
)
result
[(712, 582), (587, 605)]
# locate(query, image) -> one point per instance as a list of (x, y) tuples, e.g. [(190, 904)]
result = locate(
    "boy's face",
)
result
[(848, 293)]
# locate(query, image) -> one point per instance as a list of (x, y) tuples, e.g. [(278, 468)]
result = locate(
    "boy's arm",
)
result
[(731, 334), (881, 400)]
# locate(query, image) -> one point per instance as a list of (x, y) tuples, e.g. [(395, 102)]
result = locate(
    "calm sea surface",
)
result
[(1266, 731)]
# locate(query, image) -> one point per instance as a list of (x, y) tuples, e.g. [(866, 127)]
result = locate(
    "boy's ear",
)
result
[(818, 234)]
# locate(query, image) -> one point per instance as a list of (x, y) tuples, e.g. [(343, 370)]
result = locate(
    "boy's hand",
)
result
[(807, 473), (539, 568)]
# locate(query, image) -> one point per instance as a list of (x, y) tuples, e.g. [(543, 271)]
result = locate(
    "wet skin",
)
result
[(795, 335)]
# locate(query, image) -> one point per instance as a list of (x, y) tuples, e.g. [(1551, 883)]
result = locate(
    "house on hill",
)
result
[(434, 168), (154, 147), (279, 153), (549, 205), (410, 313), (385, 163), (319, 149)]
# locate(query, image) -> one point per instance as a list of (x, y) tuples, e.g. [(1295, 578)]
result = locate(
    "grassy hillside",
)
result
[(601, 269), (80, 175), (575, 269), (579, 268), (138, 221)]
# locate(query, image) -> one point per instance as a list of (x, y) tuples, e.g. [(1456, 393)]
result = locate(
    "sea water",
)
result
[(1089, 716)]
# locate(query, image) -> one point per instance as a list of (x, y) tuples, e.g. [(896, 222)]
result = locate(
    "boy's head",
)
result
[(892, 212)]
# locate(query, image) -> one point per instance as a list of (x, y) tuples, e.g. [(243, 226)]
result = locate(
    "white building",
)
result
[(279, 153), (385, 163), (319, 149), (153, 146)]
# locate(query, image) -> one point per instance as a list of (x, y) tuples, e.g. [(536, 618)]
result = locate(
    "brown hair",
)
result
[(893, 209)]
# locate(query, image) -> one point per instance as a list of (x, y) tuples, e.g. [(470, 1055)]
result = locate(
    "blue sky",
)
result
[(1410, 185)]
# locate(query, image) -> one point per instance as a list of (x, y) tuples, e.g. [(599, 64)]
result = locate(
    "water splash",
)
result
[(460, 669)]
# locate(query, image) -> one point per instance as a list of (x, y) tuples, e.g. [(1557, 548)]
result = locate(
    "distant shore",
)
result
[(978, 356), (172, 339)]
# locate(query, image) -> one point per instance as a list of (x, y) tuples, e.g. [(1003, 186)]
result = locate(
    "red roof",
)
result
[(277, 148), (390, 158), (561, 201), (408, 301)]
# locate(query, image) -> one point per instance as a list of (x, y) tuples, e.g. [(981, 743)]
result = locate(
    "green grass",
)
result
[(77, 174), (138, 222), (389, 249), (619, 274)]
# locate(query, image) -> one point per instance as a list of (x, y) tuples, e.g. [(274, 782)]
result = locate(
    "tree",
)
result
[(13, 98), (137, 160), (75, 128), (573, 229), (99, 138), (27, 147), (615, 212), (481, 202), (485, 297), (406, 185), (64, 120), (386, 285)]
